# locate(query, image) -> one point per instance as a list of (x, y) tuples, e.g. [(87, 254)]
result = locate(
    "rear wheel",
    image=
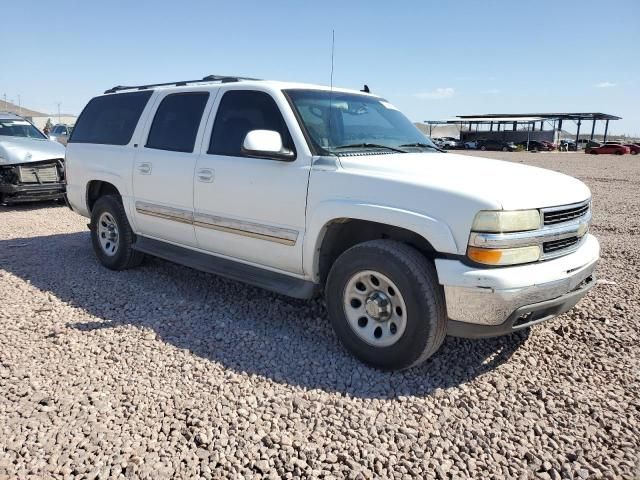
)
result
[(593, 152), (505, 149), (386, 305), (483, 148), (111, 234), (634, 152), (619, 152)]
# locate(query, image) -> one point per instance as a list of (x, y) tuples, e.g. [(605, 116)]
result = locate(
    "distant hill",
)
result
[(25, 112)]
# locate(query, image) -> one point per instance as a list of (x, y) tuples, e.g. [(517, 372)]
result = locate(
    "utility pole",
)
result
[(19, 106), (59, 112), (5, 101)]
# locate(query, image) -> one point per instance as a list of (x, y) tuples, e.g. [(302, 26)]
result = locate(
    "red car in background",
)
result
[(634, 147), (616, 148), (550, 146)]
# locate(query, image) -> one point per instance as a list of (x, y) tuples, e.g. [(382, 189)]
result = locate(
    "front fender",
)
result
[(436, 232)]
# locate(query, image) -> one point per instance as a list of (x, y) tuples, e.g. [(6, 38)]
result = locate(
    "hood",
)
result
[(26, 150), (507, 185)]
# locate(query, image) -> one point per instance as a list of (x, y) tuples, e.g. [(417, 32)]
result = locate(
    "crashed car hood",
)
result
[(14, 150)]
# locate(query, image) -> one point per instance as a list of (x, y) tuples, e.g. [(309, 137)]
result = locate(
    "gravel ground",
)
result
[(164, 372)]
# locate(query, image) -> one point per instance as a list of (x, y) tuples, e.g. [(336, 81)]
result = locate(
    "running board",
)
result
[(259, 277)]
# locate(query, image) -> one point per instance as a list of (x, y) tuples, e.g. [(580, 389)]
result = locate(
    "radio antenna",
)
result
[(333, 45)]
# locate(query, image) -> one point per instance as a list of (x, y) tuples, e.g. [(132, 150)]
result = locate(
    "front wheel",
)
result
[(386, 305), (111, 235), (634, 152)]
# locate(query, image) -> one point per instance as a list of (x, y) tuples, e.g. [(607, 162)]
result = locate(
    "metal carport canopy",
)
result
[(523, 117)]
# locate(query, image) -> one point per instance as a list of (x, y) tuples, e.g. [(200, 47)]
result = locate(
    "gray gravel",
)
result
[(164, 372)]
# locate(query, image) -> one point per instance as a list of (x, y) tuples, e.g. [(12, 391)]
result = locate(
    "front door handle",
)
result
[(144, 168), (205, 175)]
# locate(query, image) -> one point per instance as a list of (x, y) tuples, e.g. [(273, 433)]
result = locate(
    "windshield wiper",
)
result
[(423, 145), (368, 145)]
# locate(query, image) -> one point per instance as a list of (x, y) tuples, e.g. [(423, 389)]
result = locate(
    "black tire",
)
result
[(124, 256), (593, 152), (505, 149), (634, 152), (417, 281), (619, 152), (483, 148)]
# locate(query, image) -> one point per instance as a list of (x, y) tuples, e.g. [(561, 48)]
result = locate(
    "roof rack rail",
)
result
[(181, 83)]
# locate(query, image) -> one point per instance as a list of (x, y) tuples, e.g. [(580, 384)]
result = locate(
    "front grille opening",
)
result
[(39, 173), (555, 245), (565, 215)]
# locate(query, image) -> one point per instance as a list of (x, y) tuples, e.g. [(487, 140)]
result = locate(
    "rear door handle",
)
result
[(144, 168), (205, 175)]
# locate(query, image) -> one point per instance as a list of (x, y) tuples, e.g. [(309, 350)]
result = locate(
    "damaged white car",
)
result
[(31, 165)]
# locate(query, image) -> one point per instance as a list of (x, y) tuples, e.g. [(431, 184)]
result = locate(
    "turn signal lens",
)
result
[(498, 221), (504, 256)]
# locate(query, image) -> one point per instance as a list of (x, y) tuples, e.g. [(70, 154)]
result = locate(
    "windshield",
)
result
[(338, 122), (19, 128)]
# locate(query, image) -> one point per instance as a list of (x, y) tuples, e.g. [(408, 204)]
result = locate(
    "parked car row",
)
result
[(590, 147)]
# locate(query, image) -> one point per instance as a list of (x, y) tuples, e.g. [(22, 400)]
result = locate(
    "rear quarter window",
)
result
[(110, 119)]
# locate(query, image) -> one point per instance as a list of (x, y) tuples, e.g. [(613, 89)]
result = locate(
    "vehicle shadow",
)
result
[(241, 327)]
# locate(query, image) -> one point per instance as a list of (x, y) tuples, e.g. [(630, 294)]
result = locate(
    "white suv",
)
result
[(307, 190)]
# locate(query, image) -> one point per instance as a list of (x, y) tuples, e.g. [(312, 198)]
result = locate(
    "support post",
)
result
[(606, 129), (593, 129), (515, 126), (541, 125), (578, 134), (559, 129), (491, 127)]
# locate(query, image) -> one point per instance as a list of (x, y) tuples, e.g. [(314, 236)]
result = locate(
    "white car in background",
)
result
[(438, 142), (451, 143)]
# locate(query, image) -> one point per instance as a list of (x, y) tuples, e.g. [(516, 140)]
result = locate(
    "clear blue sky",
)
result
[(433, 59)]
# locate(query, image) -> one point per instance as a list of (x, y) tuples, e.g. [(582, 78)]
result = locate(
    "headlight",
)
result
[(491, 221), (504, 256)]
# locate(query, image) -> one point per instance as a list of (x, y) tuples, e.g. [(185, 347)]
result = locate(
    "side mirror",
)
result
[(266, 144)]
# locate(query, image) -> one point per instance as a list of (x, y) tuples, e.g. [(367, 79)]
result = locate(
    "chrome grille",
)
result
[(557, 245), (555, 215), (39, 174)]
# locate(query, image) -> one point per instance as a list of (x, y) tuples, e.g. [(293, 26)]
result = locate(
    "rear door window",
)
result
[(176, 122), (110, 119)]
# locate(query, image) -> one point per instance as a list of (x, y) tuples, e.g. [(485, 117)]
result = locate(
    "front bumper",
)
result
[(494, 301), (15, 193)]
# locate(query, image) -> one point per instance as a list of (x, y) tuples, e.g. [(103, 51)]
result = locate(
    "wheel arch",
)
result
[(98, 188), (329, 235)]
